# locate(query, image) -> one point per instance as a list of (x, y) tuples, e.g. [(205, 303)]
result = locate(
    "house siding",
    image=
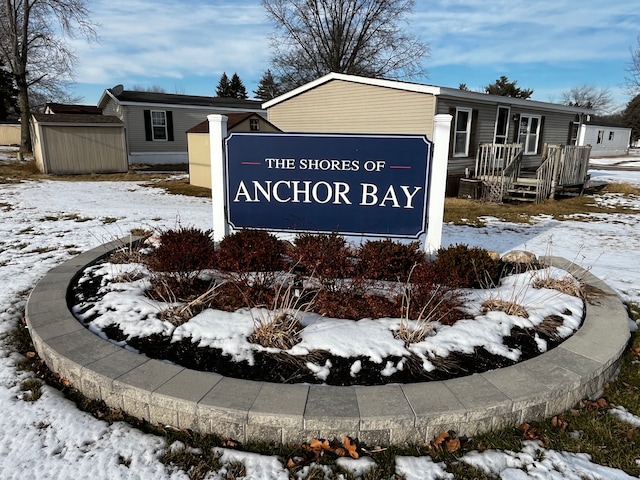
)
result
[(347, 107), (555, 129), (484, 128), (140, 150)]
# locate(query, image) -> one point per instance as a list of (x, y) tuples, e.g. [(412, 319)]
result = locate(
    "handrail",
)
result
[(511, 172), (545, 172)]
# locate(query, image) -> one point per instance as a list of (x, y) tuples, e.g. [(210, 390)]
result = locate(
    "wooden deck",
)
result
[(498, 168)]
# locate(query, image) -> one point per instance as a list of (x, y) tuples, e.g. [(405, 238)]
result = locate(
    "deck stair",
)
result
[(523, 190)]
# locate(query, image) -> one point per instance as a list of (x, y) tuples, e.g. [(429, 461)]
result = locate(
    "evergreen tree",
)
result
[(268, 88), (502, 86), (237, 87), (631, 117), (224, 86), (8, 93)]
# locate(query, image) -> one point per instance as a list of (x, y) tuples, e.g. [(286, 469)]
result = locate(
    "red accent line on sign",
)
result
[(251, 163), (407, 167)]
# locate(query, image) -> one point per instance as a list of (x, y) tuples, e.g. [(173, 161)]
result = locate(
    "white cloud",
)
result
[(476, 32), (141, 38)]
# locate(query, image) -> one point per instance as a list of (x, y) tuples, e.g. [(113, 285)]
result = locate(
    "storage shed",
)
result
[(76, 144)]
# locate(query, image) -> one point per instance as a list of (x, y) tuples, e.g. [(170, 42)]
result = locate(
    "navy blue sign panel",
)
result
[(352, 184)]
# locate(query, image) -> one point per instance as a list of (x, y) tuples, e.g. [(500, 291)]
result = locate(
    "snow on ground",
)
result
[(44, 223)]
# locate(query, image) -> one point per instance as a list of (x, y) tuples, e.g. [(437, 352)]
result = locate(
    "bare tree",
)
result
[(599, 100), (357, 37), (153, 89), (33, 44), (633, 69)]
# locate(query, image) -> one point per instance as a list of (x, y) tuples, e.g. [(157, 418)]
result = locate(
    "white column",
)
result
[(438, 182), (217, 134)]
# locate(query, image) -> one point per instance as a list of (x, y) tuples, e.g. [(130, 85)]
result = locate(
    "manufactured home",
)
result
[(338, 103), (156, 123)]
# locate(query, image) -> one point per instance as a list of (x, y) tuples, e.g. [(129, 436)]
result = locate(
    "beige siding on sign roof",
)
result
[(199, 159), (347, 107)]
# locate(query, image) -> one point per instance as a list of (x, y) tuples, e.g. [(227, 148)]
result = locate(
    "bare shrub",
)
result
[(427, 289), (353, 304), (468, 267), (176, 264), (388, 260), (324, 256), (251, 256)]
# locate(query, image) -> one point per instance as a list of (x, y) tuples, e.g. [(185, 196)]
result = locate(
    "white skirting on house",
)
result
[(158, 158)]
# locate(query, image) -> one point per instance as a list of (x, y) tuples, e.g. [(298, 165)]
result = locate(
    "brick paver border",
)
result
[(167, 394)]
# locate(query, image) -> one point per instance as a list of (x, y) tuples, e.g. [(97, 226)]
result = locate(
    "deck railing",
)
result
[(562, 166), (497, 166), (492, 158), (574, 165)]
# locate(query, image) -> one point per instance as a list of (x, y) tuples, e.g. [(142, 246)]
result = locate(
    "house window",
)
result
[(611, 136), (600, 136), (159, 125), (502, 125), (529, 133), (254, 124), (462, 132)]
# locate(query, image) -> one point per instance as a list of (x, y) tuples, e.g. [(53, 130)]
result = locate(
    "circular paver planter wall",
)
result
[(168, 394)]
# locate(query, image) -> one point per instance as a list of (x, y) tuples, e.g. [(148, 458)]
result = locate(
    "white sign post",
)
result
[(438, 182), (217, 134)]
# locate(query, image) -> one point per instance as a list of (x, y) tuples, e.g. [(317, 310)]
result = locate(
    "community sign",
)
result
[(373, 185)]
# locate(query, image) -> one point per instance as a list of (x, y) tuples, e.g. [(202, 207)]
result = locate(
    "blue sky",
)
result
[(549, 46)]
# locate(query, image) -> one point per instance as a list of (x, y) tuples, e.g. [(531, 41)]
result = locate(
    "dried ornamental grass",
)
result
[(280, 326), (507, 306), (567, 285), (179, 314)]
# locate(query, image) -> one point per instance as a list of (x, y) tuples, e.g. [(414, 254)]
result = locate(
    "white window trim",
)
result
[(466, 131), (525, 144), (153, 127), (256, 122), (495, 128)]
